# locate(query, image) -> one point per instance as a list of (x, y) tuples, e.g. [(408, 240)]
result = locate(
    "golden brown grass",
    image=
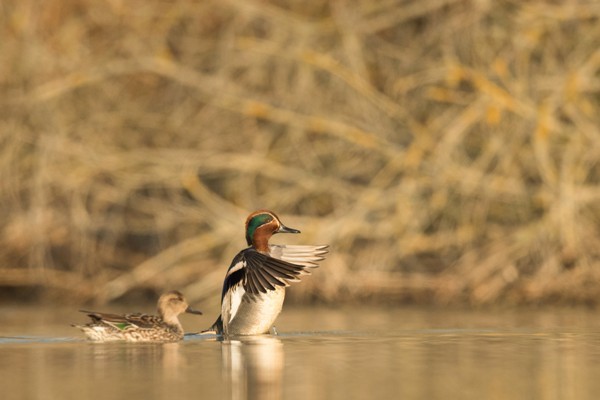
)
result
[(447, 150)]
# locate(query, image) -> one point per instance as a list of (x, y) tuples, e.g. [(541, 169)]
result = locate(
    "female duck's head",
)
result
[(171, 304)]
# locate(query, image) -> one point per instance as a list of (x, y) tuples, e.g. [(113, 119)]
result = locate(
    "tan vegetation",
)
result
[(447, 150)]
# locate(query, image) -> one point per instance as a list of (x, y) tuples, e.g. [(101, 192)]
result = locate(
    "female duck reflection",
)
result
[(253, 366)]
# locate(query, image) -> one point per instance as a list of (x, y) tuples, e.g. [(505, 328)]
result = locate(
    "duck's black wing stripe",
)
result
[(279, 276), (266, 281), (278, 279), (251, 285), (263, 273), (271, 280)]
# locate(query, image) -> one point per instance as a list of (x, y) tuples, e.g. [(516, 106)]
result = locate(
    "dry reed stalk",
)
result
[(446, 150)]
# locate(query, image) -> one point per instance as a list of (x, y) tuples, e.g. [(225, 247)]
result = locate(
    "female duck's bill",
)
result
[(137, 327)]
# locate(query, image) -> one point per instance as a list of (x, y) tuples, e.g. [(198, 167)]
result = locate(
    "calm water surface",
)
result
[(320, 353)]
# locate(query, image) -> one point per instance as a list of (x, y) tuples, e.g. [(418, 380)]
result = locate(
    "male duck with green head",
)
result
[(254, 286)]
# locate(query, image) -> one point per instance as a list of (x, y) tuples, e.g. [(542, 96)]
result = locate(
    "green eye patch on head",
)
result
[(254, 223)]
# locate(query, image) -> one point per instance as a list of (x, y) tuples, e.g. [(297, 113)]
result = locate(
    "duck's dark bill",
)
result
[(192, 311), (285, 229)]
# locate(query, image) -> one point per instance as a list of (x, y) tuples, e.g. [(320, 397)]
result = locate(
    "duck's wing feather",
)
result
[(144, 320), (122, 320), (259, 273), (307, 256)]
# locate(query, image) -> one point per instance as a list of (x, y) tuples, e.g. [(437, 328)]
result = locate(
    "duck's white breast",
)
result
[(251, 315)]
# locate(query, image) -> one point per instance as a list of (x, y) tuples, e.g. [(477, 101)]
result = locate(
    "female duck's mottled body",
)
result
[(140, 327), (254, 286)]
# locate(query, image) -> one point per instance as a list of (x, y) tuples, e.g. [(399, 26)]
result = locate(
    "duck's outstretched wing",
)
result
[(259, 273)]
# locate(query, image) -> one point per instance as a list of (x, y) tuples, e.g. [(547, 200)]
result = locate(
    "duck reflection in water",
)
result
[(253, 366)]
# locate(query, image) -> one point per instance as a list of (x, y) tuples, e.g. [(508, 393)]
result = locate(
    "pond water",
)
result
[(319, 353)]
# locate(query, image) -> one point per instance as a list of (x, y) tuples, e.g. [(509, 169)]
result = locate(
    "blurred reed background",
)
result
[(447, 150)]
